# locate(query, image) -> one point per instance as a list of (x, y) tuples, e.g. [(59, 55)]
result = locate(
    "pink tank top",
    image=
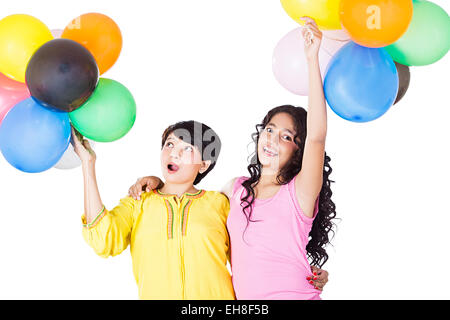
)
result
[(269, 261)]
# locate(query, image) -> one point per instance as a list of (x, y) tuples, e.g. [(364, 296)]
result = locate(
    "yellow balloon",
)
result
[(325, 12), (20, 36)]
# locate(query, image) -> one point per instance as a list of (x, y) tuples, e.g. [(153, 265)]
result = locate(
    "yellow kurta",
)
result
[(179, 246)]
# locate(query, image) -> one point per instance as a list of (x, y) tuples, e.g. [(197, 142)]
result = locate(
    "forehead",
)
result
[(174, 139), (282, 121)]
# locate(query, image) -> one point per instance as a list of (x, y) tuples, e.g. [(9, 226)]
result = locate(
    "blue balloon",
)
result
[(361, 84), (33, 138)]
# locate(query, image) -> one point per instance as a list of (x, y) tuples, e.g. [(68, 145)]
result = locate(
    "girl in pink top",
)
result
[(281, 215)]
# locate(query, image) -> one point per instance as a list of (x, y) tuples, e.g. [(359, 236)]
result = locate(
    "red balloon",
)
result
[(11, 93)]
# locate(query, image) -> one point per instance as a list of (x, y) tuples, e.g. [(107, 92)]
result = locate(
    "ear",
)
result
[(205, 166)]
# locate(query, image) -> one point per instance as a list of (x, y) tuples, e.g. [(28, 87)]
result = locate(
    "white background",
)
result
[(211, 61)]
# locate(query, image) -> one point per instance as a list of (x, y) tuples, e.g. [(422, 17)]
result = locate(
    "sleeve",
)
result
[(225, 211), (237, 184), (109, 234)]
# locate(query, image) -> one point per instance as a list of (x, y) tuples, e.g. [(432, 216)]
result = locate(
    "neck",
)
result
[(178, 189), (268, 176)]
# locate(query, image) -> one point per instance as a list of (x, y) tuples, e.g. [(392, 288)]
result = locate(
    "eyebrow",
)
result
[(188, 144), (273, 125)]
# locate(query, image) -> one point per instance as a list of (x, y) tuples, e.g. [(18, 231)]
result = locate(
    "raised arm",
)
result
[(107, 232), (309, 181), (93, 204)]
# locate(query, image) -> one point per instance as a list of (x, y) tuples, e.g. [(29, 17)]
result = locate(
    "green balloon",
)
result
[(427, 39), (108, 114)]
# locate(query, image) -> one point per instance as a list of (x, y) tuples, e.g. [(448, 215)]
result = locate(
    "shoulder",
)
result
[(215, 196), (145, 197), (216, 200), (230, 187)]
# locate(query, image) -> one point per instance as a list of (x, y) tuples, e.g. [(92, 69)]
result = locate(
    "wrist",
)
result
[(88, 164), (314, 59)]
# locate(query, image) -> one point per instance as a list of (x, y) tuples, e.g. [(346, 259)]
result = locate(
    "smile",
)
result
[(270, 152)]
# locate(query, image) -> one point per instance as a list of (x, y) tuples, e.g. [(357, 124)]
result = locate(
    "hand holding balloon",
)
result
[(82, 148), (313, 38)]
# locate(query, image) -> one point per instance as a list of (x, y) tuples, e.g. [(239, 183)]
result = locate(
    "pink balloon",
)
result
[(289, 61), (11, 93)]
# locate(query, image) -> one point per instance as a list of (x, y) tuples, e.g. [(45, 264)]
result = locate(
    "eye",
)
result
[(169, 144), (269, 130), (189, 149), (288, 138)]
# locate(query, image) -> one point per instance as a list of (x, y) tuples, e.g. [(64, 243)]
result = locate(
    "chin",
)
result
[(177, 179)]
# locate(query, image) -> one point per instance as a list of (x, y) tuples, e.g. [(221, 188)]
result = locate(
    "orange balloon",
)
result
[(376, 23), (100, 35)]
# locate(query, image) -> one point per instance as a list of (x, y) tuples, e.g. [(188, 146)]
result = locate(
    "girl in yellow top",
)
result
[(177, 234)]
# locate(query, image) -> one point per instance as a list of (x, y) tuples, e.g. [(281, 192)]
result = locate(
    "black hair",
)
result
[(199, 135), (323, 225)]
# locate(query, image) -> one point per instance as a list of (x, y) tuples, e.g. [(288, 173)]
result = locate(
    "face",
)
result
[(180, 161), (276, 143)]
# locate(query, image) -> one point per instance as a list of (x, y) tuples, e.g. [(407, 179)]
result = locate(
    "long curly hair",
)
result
[(323, 225)]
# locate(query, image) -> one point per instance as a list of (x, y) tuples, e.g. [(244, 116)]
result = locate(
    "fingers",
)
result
[(152, 183), (308, 36), (75, 141), (134, 192), (146, 184), (318, 279), (87, 145), (321, 281), (74, 138), (311, 25), (76, 134)]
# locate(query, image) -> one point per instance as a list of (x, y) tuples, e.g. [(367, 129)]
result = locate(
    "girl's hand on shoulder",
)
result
[(82, 148), (146, 183), (313, 38)]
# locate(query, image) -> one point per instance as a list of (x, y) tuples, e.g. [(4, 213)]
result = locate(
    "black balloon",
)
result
[(62, 74), (404, 77)]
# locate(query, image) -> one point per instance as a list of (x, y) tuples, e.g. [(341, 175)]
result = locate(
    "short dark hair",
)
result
[(199, 135)]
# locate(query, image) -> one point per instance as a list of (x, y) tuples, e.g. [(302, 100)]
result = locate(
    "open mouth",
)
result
[(270, 152), (172, 167)]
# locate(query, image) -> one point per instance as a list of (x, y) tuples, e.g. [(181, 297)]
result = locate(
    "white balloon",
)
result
[(57, 33), (334, 40), (70, 159), (289, 63), (339, 34)]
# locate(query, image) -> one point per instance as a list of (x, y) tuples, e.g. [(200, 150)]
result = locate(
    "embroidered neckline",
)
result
[(187, 195)]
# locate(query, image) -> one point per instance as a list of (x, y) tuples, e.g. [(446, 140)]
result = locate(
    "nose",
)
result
[(176, 153), (273, 138)]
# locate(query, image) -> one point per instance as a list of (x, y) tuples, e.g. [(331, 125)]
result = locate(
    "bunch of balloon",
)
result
[(61, 69), (289, 63), (370, 73)]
